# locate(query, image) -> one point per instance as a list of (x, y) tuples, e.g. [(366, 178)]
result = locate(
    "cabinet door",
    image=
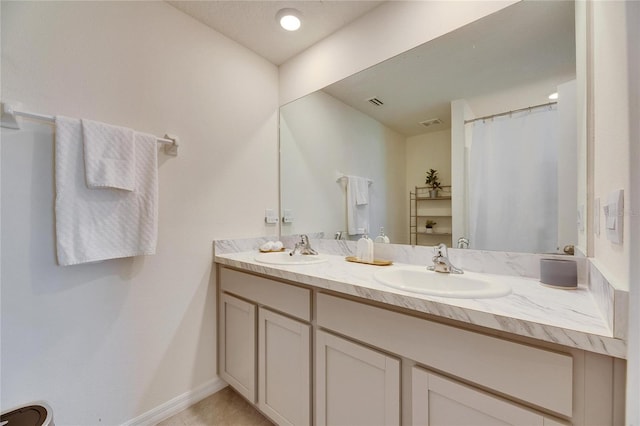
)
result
[(437, 401), (238, 345), (355, 385), (284, 368)]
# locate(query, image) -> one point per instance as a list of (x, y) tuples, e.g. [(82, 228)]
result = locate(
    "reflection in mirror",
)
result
[(394, 122), (323, 142)]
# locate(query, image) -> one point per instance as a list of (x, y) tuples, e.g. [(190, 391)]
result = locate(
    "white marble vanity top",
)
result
[(566, 317)]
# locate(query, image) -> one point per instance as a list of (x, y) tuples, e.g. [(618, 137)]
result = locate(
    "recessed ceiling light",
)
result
[(289, 19), (553, 96)]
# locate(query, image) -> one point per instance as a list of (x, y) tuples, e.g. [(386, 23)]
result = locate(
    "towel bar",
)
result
[(340, 176), (9, 121)]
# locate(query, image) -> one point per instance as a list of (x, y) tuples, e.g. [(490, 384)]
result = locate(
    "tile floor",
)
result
[(222, 408)]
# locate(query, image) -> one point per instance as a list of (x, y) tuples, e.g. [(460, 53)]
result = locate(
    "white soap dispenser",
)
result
[(382, 238), (365, 249)]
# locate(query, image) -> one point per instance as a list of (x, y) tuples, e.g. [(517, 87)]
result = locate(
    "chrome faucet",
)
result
[(463, 243), (441, 262), (303, 246)]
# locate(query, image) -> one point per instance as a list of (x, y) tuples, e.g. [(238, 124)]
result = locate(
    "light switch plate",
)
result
[(270, 216), (614, 216), (287, 216)]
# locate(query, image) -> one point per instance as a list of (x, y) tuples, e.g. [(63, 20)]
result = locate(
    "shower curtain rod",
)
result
[(510, 112)]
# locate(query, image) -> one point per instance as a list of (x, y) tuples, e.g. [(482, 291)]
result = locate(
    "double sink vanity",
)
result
[(319, 340)]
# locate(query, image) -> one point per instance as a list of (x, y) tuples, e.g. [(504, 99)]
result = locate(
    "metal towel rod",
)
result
[(9, 114)]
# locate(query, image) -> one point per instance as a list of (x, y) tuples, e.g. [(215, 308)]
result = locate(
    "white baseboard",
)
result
[(177, 404)]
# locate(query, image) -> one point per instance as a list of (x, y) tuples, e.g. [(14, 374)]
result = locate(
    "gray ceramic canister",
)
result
[(559, 273)]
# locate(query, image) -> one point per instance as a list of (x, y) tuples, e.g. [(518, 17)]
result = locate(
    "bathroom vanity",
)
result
[(327, 344)]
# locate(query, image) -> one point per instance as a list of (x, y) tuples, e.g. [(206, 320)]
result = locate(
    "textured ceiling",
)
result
[(253, 23), (528, 44)]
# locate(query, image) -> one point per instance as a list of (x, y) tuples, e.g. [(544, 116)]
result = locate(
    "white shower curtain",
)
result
[(513, 183)]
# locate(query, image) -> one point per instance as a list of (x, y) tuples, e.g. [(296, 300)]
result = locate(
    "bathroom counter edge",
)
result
[(566, 317)]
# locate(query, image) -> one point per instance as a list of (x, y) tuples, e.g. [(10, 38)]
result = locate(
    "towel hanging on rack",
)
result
[(9, 121), (109, 155), (357, 205), (341, 176), (100, 224)]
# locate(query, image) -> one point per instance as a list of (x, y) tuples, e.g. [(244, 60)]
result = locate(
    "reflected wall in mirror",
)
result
[(376, 125)]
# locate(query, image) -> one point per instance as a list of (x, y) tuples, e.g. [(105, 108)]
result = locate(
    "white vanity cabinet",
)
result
[(237, 354), (264, 345), (355, 385), (284, 381), (437, 400), (541, 377), (373, 364), (490, 377)]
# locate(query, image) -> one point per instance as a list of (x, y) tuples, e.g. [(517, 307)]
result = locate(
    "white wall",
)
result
[(320, 136), (582, 36), (633, 364), (567, 145), (106, 342), (428, 151), (423, 152), (460, 142), (388, 30), (615, 62), (611, 97)]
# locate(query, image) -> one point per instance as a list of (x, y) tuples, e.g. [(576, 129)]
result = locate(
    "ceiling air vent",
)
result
[(432, 122), (375, 101)]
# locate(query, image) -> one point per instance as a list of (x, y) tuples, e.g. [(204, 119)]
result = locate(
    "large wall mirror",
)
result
[(512, 176)]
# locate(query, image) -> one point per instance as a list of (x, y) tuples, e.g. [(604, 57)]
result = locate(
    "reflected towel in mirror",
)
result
[(357, 205)]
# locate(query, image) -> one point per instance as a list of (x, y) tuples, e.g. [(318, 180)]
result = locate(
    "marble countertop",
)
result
[(566, 317)]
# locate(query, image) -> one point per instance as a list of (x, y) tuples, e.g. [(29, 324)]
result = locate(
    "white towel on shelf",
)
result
[(99, 224), (109, 155), (357, 205)]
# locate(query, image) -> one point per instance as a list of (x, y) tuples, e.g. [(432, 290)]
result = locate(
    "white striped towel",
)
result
[(109, 155), (99, 224), (357, 205)]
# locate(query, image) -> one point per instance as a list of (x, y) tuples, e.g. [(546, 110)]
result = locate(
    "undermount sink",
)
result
[(420, 280), (284, 258)]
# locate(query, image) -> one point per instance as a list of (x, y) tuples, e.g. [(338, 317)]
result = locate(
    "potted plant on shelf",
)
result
[(433, 181), (430, 225)]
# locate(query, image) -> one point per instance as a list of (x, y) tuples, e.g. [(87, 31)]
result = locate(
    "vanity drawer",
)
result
[(286, 298), (538, 376)]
